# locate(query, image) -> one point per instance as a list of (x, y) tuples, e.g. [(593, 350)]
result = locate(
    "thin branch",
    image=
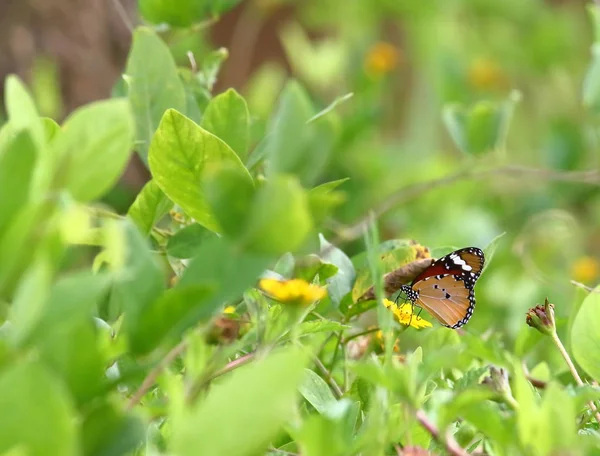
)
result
[(448, 441), (150, 379), (410, 192), (234, 365), (585, 287), (362, 333), (334, 386), (123, 15), (567, 358)]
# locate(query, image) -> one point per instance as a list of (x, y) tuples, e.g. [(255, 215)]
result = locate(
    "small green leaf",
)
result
[(294, 145), (490, 250), (280, 218), (51, 129), (585, 336), (180, 154), (244, 412), (175, 311), (185, 243), (341, 283), (21, 110), (150, 205), (183, 13), (17, 164), (154, 85), (95, 143), (227, 117), (42, 420), (482, 127), (316, 391)]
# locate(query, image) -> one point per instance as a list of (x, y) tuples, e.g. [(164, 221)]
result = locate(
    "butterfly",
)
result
[(445, 289)]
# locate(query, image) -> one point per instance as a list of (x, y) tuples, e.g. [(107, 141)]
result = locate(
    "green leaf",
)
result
[(183, 13), (17, 164), (180, 154), (316, 391), (65, 335), (229, 269), (280, 219), (51, 129), (21, 110), (154, 85), (490, 250), (150, 205), (169, 316), (294, 145), (95, 143), (186, 241), (482, 127), (591, 83), (341, 283), (41, 419), (107, 431), (30, 299), (141, 281), (310, 266), (229, 193), (585, 336), (227, 117), (244, 412)]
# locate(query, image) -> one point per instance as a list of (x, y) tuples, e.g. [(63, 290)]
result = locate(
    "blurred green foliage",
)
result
[(142, 327)]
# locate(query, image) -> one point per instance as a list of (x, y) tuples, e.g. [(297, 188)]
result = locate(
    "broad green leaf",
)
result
[(95, 144), (316, 391), (21, 110), (227, 117), (150, 205), (65, 335), (186, 241), (141, 281), (17, 163), (183, 13), (171, 314), (42, 420), (558, 409), (154, 86), (180, 154), (341, 283), (585, 336), (227, 268), (245, 411), (229, 193), (30, 299), (108, 431), (322, 435), (280, 219), (295, 145)]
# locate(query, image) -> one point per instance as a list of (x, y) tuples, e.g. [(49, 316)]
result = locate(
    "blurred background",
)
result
[(414, 70)]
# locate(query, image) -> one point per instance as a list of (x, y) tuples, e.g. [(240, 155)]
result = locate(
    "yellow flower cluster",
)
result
[(293, 291), (381, 59), (585, 269), (486, 74), (404, 315)]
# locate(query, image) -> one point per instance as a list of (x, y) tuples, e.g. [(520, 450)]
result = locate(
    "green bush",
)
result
[(238, 306)]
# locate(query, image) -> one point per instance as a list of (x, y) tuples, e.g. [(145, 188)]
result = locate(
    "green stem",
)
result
[(567, 358)]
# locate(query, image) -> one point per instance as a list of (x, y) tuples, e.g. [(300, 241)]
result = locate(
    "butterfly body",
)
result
[(445, 289)]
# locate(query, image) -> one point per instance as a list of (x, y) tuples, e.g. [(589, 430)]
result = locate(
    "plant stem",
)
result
[(448, 441), (567, 358), (362, 333), (334, 386)]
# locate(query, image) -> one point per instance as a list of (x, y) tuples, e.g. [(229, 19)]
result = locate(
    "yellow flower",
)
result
[(381, 59), (404, 315), (229, 310), (485, 74), (295, 290), (585, 269)]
